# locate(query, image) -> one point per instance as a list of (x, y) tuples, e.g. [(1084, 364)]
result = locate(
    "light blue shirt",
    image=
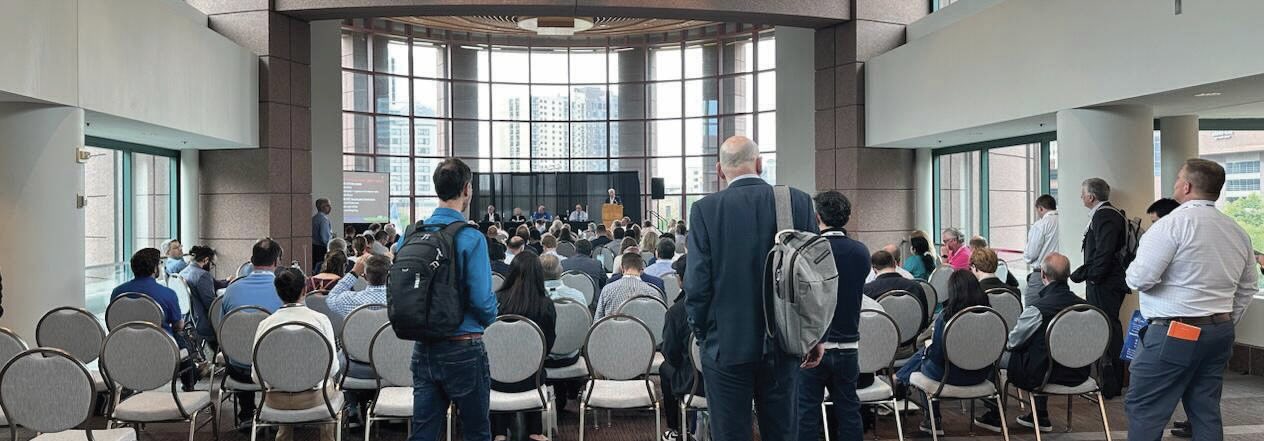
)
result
[(342, 299), (558, 290), (660, 268), (321, 229), (476, 267), (256, 289)]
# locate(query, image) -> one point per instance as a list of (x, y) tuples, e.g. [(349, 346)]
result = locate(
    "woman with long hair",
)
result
[(331, 272), (524, 294), (649, 242), (921, 262), (963, 292)]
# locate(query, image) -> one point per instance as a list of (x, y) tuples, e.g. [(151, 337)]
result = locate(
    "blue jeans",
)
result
[(915, 364), (1169, 370), (456, 372), (770, 382), (838, 371)]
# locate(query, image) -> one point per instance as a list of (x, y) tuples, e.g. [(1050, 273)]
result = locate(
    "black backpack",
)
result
[(425, 298)]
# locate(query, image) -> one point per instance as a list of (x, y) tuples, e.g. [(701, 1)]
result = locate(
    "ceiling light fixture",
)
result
[(555, 25), (1206, 94)]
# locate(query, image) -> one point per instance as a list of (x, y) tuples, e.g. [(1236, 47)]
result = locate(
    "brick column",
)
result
[(263, 192), (879, 182)]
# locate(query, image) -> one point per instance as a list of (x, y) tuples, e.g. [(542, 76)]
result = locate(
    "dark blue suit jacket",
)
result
[(730, 234)]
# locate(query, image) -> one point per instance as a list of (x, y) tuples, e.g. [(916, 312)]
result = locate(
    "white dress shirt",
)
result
[(1042, 239), (1194, 262), (901, 271)]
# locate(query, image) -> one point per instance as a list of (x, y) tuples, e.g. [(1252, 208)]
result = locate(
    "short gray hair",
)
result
[(744, 151), (955, 233), (1098, 188), (552, 267), (337, 244)]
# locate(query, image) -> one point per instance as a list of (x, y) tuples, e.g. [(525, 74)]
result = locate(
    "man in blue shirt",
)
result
[(145, 270), (540, 214), (456, 369), (256, 289), (175, 257), (321, 230)]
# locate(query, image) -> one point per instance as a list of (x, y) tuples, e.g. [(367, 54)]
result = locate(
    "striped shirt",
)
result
[(619, 291), (342, 300)]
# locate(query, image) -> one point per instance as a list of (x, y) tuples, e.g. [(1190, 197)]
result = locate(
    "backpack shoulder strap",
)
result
[(784, 207)]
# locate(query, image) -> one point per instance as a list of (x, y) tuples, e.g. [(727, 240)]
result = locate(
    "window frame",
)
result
[(983, 192)]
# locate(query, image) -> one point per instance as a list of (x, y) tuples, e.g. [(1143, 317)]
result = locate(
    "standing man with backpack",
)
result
[(731, 234), (439, 294), (1103, 273)]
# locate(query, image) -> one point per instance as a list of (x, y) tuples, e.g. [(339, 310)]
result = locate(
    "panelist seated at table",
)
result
[(541, 214), (517, 217), (579, 215), (491, 215), (612, 198)]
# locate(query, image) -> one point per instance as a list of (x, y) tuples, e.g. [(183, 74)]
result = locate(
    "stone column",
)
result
[(1178, 141), (263, 192), (879, 182)]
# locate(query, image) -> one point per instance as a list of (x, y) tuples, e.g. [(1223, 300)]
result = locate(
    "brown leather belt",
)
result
[(1223, 317), (464, 337)]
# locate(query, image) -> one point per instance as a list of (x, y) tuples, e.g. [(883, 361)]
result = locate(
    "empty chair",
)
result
[(10, 346), (293, 358), (879, 339), (939, 280), (357, 336), (672, 282), (498, 281), (932, 300), (76, 331), (566, 249), (50, 392), (582, 282), (516, 350), (619, 351), (973, 340), (132, 307), (903, 307), (1075, 338), (391, 358), (1008, 304), (142, 357), (573, 321)]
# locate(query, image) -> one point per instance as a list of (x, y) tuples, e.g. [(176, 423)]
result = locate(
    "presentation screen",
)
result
[(364, 197)]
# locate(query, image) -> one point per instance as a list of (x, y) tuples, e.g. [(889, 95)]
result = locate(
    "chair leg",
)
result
[(368, 425), (899, 427), (338, 427), (449, 422), (582, 412), (930, 413), (1035, 417), (684, 421), (1069, 401), (825, 422), (192, 425), (658, 421), (215, 421), (1004, 424), (1101, 404), (254, 427)]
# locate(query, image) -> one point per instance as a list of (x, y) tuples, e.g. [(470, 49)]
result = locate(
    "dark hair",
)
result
[(145, 262), (548, 241), (335, 263), (374, 227), (200, 252), (679, 267), (381, 234), (1047, 202), (680, 228), (523, 292), (516, 242), (376, 269), (666, 248), (1206, 177), (535, 234), (289, 284), (833, 208), (266, 252), (450, 178), (626, 243), (963, 292), (601, 227), (1163, 207), (495, 250), (322, 202), (349, 230), (358, 244), (619, 233), (881, 260), (921, 247), (631, 260), (565, 235), (584, 247), (634, 232)]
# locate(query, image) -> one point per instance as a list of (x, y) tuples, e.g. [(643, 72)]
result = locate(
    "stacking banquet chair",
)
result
[(1075, 338), (236, 341), (1002, 270), (516, 349), (1008, 303), (694, 401), (391, 358), (973, 339), (605, 256), (932, 300), (50, 392), (132, 307), (672, 283), (582, 282), (357, 338), (566, 249), (319, 301), (290, 358), (619, 351), (10, 346), (79, 333), (497, 282), (653, 313), (939, 281), (573, 321), (142, 357), (879, 339), (907, 312), (244, 269)]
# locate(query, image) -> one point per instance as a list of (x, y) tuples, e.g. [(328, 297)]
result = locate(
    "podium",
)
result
[(611, 213)]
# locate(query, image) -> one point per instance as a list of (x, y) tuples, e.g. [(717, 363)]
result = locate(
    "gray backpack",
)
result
[(800, 283)]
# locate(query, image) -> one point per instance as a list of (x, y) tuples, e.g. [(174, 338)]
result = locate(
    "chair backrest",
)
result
[(245, 269), (566, 249), (695, 354), (361, 324), (515, 348), (932, 298), (619, 347), (573, 321), (647, 255), (1008, 304), (217, 313), (879, 339), (237, 332), (181, 287), (391, 357), (1002, 270), (1078, 336), (292, 357), (975, 338), (10, 345), (139, 356), (74, 330), (46, 390), (649, 310), (498, 281), (132, 307), (905, 310), (939, 280), (672, 282), (319, 301), (605, 256), (581, 281)]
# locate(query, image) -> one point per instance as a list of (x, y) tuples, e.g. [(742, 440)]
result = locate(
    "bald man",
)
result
[(730, 234), (895, 254)]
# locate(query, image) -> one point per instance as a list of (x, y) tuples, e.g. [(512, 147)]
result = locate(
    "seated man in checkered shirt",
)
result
[(627, 287)]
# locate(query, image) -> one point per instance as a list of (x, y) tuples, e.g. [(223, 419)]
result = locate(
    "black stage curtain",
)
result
[(558, 192)]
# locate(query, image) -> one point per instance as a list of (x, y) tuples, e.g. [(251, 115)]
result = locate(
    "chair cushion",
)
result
[(1089, 385), (980, 390), (576, 370), (394, 402), (233, 385), (311, 414), (353, 383), (517, 401), (878, 391), (626, 394), (157, 405), (97, 435), (694, 401)]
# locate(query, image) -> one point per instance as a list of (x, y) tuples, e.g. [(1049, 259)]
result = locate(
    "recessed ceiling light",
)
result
[(1207, 94)]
